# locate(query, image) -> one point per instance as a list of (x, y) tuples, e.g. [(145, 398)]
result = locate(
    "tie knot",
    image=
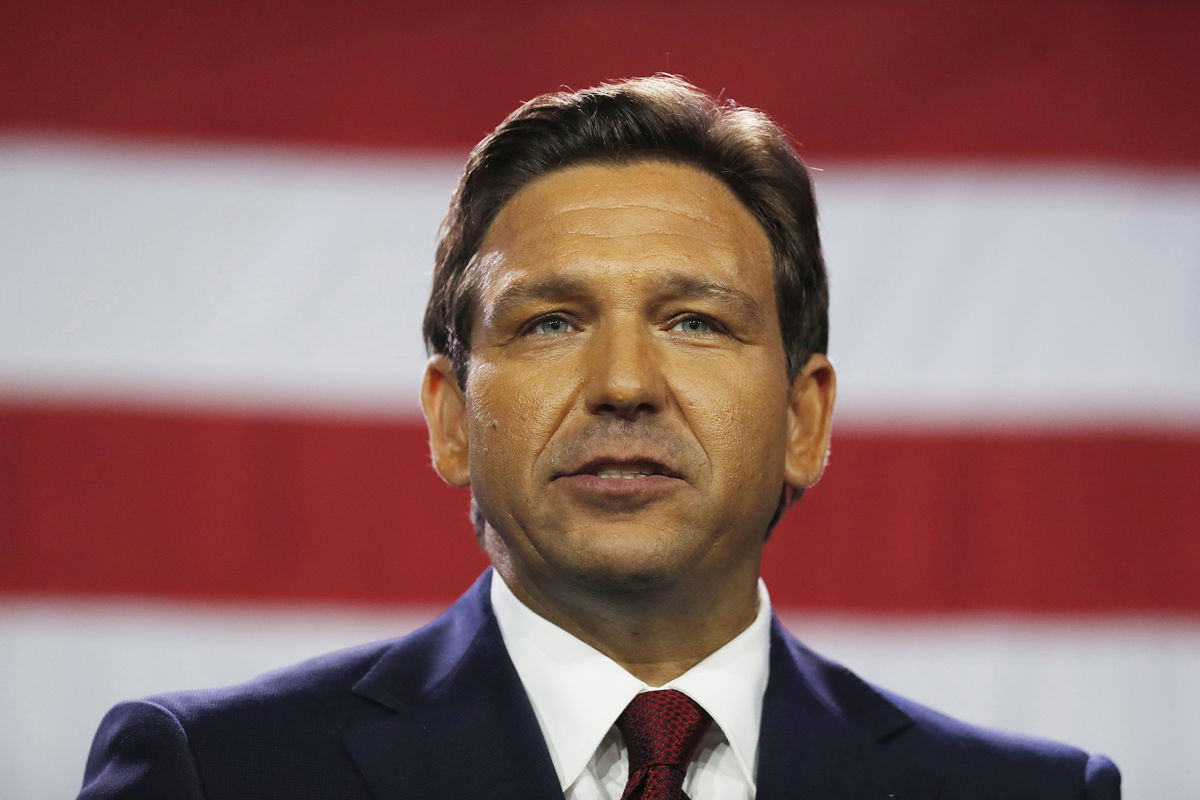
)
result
[(662, 727)]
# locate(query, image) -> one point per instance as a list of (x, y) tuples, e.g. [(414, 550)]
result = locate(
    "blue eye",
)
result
[(693, 325), (552, 325)]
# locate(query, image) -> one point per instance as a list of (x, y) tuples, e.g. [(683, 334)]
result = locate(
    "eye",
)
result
[(694, 324), (552, 325)]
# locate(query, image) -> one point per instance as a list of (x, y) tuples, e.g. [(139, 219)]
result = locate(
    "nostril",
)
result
[(621, 410)]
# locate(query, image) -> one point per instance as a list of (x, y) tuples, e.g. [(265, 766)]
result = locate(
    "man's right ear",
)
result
[(446, 418)]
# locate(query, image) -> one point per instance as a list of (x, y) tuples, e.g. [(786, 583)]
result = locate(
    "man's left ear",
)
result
[(810, 415)]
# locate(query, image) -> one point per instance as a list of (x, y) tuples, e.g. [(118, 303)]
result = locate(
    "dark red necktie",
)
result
[(662, 730)]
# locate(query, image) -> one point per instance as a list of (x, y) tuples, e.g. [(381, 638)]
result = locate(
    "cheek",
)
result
[(511, 417), (742, 429)]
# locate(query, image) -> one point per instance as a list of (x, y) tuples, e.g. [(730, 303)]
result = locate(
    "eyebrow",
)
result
[(675, 286), (689, 287), (518, 293)]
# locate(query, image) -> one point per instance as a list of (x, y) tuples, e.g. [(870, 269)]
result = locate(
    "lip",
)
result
[(586, 485), (652, 468)]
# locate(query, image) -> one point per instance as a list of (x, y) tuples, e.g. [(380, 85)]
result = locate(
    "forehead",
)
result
[(639, 217)]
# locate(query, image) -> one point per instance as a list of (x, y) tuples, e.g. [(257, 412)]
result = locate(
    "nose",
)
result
[(624, 376)]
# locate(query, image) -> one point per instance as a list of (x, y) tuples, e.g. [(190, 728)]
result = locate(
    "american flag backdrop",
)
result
[(217, 222)]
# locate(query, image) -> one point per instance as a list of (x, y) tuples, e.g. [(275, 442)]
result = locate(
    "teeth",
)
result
[(621, 473)]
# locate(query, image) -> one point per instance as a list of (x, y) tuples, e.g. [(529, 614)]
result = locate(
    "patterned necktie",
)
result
[(661, 730)]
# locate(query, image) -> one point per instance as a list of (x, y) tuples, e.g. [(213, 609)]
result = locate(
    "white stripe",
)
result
[(253, 276), (1124, 687), (1002, 294), (961, 293)]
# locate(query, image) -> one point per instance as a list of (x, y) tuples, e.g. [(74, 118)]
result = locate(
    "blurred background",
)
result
[(217, 222)]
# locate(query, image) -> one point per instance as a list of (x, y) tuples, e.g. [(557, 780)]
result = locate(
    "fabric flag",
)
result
[(217, 225)]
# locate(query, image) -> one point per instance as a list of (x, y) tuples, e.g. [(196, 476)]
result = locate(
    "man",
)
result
[(627, 327)]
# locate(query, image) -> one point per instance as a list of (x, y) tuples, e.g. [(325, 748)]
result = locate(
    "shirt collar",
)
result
[(577, 692)]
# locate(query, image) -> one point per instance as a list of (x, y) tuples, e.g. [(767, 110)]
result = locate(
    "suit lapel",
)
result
[(823, 731), (463, 725)]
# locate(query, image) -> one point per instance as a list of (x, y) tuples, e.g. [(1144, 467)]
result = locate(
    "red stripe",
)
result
[(105, 501), (1094, 80)]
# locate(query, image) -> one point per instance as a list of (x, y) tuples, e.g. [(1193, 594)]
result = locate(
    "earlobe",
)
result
[(810, 416), (446, 418)]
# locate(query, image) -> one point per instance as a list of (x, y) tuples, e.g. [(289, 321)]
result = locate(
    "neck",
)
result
[(656, 633)]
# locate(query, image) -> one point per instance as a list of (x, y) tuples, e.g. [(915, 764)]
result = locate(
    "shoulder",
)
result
[(298, 690), (206, 743), (968, 754), (283, 733), (320, 696), (968, 760)]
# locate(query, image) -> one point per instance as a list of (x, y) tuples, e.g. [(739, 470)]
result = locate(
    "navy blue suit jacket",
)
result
[(442, 714)]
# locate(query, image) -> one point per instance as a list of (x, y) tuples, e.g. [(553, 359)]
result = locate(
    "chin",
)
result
[(640, 565), (611, 579)]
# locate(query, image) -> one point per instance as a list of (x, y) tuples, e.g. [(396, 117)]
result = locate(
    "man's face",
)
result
[(628, 421)]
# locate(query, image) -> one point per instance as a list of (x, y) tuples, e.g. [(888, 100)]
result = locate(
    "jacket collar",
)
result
[(464, 726), (824, 732)]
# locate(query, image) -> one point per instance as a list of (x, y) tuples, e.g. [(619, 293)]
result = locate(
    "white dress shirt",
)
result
[(577, 694)]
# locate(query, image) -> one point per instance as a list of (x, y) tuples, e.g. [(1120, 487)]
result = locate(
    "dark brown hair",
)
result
[(660, 117)]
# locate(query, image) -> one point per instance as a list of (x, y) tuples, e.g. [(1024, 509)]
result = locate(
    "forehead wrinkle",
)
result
[(606, 235), (567, 251), (568, 244), (707, 222), (631, 205)]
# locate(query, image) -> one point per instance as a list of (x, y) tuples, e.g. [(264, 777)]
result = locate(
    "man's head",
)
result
[(662, 117), (627, 323)]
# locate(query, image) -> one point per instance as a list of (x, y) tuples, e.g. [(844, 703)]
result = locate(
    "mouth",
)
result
[(612, 484), (622, 469)]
